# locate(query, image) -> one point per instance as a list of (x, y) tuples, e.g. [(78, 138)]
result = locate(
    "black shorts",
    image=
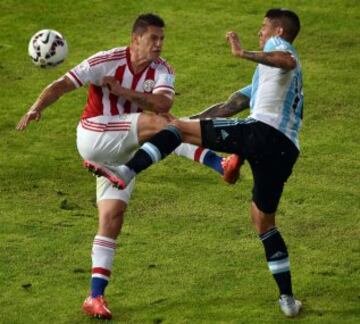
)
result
[(270, 153)]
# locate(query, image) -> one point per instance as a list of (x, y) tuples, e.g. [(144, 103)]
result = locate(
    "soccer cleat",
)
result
[(113, 174), (96, 307), (231, 166), (289, 305)]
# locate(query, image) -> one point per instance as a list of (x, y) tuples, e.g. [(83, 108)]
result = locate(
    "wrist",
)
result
[(240, 53), (236, 51), (34, 110)]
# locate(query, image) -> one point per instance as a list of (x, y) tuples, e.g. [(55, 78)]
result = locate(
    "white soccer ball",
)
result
[(47, 48)]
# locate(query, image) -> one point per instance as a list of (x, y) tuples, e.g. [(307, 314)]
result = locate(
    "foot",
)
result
[(289, 305), (118, 176), (231, 166), (96, 307)]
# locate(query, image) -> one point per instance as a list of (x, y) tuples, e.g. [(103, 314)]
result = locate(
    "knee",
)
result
[(262, 221), (149, 125), (111, 216), (158, 122), (261, 226)]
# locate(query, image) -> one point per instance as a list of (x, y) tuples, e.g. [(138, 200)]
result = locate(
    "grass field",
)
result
[(188, 253)]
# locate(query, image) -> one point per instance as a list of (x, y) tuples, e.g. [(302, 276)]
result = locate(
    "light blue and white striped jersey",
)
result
[(276, 95)]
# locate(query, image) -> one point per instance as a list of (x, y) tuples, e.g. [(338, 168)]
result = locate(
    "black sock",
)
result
[(157, 148), (278, 259)]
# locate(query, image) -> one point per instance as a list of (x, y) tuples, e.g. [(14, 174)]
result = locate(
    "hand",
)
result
[(112, 84), (235, 44), (27, 118)]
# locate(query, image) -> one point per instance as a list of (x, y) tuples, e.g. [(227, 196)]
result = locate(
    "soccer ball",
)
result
[(47, 48)]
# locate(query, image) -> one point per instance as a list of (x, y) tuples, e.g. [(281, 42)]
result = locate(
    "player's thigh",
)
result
[(108, 139), (271, 169), (225, 135), (267, 188)]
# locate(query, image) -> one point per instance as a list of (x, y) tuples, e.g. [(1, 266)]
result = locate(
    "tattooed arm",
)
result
[(159, 102), (279, 59), (236, 103)]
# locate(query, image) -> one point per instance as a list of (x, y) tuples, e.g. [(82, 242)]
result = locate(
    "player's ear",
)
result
[(135, 38), (279, 31)]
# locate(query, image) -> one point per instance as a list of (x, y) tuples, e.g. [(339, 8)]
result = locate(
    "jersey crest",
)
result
[(148, 85)]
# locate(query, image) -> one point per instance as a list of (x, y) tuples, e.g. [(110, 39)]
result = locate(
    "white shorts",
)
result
[(109, 140)]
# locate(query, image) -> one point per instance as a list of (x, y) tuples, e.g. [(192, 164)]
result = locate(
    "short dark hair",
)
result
[(287, 19), (144, 21)]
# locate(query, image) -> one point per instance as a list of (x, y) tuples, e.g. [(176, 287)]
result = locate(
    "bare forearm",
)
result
[(152, 102), (236, 103), (211, 112), (51, 94), (45, 99), (281, 60), (48, 96), (160, 102)]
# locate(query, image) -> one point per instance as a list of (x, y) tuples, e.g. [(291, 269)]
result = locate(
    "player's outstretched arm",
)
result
[(279, 59), (48, 96), (159, 102), (236, 103)]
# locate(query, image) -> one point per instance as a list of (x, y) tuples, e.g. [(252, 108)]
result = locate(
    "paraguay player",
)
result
[(112, 127)]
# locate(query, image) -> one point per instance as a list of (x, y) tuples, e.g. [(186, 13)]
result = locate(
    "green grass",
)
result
[(188, 253)]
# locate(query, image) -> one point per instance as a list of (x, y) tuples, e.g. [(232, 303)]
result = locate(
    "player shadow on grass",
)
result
[(202, 309)]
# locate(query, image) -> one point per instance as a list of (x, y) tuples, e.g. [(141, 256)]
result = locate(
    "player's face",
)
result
[(150, 43), (268, 29)]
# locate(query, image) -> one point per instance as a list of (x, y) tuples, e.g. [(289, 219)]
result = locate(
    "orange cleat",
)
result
[(96, 307), (231, 166)]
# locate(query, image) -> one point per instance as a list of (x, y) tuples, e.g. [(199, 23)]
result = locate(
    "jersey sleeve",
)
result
[(86, 72), (278, 44), (164, 80), (246, 91)]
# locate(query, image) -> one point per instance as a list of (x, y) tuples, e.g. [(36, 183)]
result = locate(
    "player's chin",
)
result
[(155, 55)]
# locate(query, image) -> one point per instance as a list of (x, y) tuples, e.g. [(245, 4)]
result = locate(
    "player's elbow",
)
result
[(289, 63), (163, 102), (290, 66), (164, 109)]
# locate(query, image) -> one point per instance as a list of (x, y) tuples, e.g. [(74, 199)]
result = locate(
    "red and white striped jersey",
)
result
[(157, 76)]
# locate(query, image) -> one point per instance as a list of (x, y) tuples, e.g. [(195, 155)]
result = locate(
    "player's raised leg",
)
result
[(169, 135), (201, 155), (159, 146), (150, 125)]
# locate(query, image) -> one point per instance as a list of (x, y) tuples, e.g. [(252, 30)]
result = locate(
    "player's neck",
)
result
[(138, 63)]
